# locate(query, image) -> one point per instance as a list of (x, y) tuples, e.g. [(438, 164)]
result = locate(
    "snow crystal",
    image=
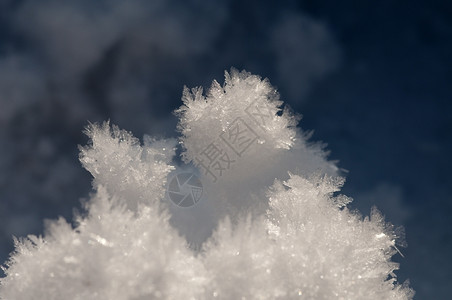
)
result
[(282, 231)]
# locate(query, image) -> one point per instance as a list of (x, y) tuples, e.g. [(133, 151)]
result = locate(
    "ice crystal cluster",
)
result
[(271, 224)]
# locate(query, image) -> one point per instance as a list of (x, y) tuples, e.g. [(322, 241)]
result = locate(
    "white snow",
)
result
[(282, 229)]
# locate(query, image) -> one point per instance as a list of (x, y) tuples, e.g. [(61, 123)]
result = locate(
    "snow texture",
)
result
[(282, 231), (128, 61)]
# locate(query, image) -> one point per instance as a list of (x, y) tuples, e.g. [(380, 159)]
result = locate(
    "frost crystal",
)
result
[(282, 231)]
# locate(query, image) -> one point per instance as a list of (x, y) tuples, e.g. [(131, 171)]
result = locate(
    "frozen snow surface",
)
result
[(271, 224)]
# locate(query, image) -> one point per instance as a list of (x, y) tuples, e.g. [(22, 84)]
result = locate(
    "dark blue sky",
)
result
[(372, 80), (387, 116)]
